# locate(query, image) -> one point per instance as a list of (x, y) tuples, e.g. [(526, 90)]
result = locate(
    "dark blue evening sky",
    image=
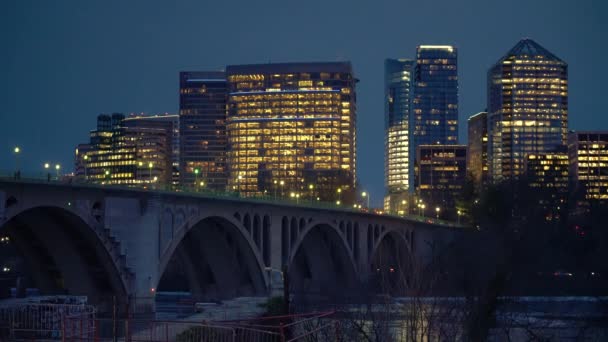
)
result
[(64, 62)]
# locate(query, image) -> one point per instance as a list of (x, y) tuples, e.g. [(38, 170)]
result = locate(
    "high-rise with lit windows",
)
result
[(527, 107), (168, 122), (202, 119), (440, 174), (477, 162), (397, 114), (291, 130), (117, 154), (588, 155), (547, 174), (435, 102)]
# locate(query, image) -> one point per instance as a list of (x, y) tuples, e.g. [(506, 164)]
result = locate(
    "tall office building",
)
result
[(547, 175), (397, 101), (440, 175), (588, 155), (435, 102), (291, 129), (202, 120), (117, 154), (527, 107), (477, 161), (168, 122)]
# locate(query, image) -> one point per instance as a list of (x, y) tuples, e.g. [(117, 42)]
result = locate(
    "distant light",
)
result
[(152, 289), (17, 149)]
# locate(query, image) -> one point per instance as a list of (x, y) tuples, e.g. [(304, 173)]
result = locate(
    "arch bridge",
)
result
[(104, 241)]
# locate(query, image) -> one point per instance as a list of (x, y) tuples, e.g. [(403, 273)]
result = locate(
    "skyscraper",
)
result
[(440, 175), (527, 107), (135, 155), (588, 156), (168, 122), (397, 100), (202, 117), (477, 161), (435, 103), (291, 129)]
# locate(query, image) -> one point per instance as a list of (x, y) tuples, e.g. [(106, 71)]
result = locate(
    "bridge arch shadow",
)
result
[(391, 264), (321, 264), (64, 255), (213, 259)]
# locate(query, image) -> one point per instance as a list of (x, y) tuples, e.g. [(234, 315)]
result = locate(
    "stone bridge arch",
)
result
[(215, 257), (391, 261), (320, 260), (68, 251)]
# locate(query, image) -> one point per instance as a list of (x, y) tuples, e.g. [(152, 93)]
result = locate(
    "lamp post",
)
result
[(281, 183), (48, 174), (339, 191), (17, 150), (107, 173), (57, 168), (459, 214), (365, 194), (437, 210), (275, 189), (150, 165), (311, 188), (196, 171), (85, 158), (297, 198)]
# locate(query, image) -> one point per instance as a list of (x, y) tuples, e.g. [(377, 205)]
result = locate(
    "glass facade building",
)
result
[(168, 122), (588, 155), (202, 121), (291, 129), (435, 102), (440, 174), (527, 107), (477, 163), (397, 100), (117, 154), (547, 175)]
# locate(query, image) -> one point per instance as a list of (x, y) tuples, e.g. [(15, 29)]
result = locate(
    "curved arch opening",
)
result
[(322, 266), (61, 254), (391, 264), (213, 261)]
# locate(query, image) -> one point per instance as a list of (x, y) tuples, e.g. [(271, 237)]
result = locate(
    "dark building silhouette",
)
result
[(202, 117)]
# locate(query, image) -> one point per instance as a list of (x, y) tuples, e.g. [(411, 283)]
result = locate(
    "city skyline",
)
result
[(155, 83)]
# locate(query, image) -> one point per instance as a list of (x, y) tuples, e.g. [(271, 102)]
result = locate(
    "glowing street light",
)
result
[(281, 183), (239, 184), (437, 210), (459, 214), (365, 194), (150, 165), (17, 150), (57, 168), (86, 158), (339, 191), (338, 202), (46, 169)]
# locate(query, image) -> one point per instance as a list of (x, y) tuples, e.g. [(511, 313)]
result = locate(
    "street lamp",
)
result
[(17, 150), (339, 191), (437, 210), (459, 214), (275, 189), (311, 188), (150, 165), (364, 195), (107, 173), (281, 183), (196, 171), (57, 168), (48, 174), (86, 158), (297, 198), (338, 202)]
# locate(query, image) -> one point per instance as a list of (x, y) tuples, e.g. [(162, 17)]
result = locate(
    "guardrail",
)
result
[(41, 178)]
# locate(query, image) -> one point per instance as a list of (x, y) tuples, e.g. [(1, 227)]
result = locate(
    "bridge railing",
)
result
[(49, 178)]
